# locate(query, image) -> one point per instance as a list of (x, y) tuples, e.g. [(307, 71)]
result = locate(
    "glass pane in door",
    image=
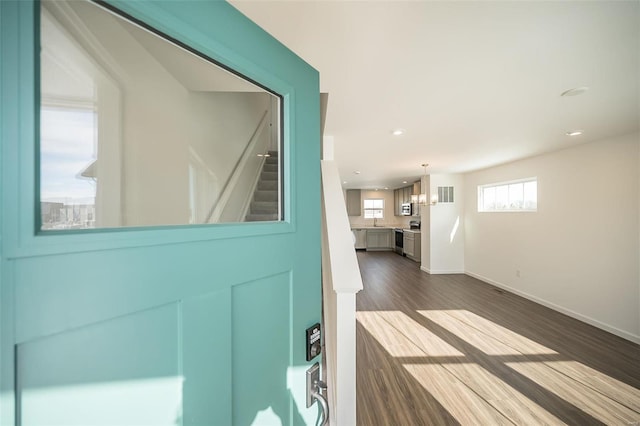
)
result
[(138, 131)]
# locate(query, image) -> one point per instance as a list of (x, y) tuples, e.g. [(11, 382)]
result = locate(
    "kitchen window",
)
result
[(514, 196), (374, 208)]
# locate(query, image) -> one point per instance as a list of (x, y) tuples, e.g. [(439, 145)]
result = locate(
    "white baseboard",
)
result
[(606, 327), (440, 272)]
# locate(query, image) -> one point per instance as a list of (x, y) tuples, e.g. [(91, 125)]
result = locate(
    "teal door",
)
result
[(158, 325)]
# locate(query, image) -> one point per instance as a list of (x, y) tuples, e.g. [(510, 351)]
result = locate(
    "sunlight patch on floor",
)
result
[(485, 335), (426, 340), (394, 342), (457, 398), (586, 399), (474, 395), (620, 391)]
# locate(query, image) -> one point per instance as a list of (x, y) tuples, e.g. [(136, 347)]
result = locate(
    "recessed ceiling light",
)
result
[(575, 91), (574, 133), (356, 172), (404, 181), (398, 132), (386, 187), (344, 183)]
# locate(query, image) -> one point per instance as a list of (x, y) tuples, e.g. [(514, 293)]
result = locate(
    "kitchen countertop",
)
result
[(373, 227), (413, 231)]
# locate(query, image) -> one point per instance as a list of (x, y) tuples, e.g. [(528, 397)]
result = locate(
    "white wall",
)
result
[(446, 228), (579, 252)]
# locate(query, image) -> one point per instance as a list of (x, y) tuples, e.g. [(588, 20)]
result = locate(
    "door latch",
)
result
[(315, 386)]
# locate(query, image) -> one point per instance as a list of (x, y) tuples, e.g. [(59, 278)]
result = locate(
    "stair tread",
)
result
[(269, 176), (267, 185), (265, 205), (265, 195), (261, 217)]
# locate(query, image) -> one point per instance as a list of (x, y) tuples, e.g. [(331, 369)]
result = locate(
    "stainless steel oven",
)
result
[(399, 236)]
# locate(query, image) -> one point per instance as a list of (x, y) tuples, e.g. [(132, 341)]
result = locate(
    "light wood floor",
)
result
[(449, 349)]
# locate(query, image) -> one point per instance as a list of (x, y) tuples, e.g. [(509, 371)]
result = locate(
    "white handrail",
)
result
[(229, 186), (341, 280)]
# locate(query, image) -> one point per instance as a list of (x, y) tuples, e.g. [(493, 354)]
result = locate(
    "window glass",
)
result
[(531, 195), (67, 162), (169, 138), (516, 200), (519, 195), (502, 197), (374, 208)]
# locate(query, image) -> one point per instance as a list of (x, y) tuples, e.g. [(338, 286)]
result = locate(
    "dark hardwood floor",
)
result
[(450, 349)]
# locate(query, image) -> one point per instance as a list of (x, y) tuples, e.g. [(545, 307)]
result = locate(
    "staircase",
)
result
[(264, 206)]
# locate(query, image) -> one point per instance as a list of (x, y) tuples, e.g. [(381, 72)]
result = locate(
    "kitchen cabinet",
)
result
[(407, 190), (379, 239), (416, 191), (354, 202), (401, 196), (416, 187), (361, 238), (411, 245), (396, 203)]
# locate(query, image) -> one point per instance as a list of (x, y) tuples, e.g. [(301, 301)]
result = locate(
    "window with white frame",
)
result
[(374, 208), (515, 196)]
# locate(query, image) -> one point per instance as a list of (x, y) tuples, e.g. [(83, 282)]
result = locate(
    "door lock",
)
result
[(314, 343), (315, 386)]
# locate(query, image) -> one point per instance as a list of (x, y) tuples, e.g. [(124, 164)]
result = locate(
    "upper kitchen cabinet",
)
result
[(354, 202), (407, 191), (401, 196), (417, 188), (396, 202)]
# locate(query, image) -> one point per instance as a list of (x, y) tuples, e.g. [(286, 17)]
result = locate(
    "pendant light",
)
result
[(422, 197)]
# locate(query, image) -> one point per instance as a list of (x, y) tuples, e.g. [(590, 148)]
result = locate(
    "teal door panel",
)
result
[(203, 377), (191, 325), (130, 362), (148, 277)]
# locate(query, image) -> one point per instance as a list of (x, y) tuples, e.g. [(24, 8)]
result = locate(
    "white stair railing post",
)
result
[(341, 282)]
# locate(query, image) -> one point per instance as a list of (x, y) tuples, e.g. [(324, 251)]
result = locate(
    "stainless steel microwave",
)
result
[(406, 209)]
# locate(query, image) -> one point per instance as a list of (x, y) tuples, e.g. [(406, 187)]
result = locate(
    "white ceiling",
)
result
[(474, 84)]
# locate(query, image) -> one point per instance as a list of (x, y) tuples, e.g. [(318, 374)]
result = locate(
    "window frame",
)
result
[(112, 75), (480, 195), (366, 209), (20, 22)]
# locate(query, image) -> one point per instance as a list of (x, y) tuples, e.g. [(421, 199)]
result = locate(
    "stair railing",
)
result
[(341, 281), (220, 203)]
